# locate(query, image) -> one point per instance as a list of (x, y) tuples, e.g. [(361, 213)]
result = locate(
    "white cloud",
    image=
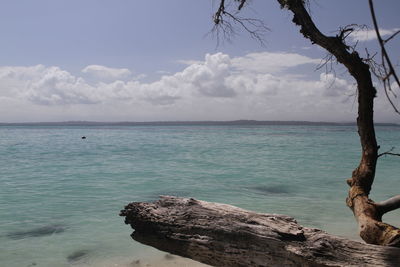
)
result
[(335, 87), (370, 34), (255, 86), (45, 85), (105, 73), (208, 78), (218, 76), (267, 62)]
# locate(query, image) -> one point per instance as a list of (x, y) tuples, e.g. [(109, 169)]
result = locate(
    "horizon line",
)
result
[(187, 122)]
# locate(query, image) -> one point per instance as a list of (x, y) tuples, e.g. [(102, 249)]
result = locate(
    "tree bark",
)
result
[(368, 214), (223, 235)]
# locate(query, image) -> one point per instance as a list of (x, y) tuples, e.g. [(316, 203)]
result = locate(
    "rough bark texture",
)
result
[(368, 214), (223, 235)]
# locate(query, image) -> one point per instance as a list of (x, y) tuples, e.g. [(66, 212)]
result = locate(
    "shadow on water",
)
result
[(38, 232), (78, 255), (271, 189)]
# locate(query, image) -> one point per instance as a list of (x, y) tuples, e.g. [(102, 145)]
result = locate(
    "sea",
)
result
[(60, 194)]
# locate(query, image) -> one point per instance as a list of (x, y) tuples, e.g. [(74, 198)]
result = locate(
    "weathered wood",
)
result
[(224, 235)]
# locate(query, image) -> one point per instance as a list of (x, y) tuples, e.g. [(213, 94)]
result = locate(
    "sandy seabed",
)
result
[(168, 260)]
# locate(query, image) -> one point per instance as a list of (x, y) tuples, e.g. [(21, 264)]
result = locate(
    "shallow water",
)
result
[(60, 194)]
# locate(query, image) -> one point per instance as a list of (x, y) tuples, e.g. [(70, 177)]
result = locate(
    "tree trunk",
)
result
[(223, 235), (368, 214)]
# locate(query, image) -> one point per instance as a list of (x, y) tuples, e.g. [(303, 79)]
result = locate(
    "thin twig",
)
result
[(392, 36), (389, 153)]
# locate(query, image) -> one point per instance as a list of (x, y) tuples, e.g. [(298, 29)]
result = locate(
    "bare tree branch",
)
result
[(389, 153), (389, 204), (392, 36), (224, 21), (329, 59), (218, 15), (242, 2), (388, 70), (387, 89)]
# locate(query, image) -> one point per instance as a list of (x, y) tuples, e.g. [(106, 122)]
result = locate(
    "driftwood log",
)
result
[(224, 235)]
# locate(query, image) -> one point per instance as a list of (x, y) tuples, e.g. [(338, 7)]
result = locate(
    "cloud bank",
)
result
[(370, 34), (104, 73), (220, 87)]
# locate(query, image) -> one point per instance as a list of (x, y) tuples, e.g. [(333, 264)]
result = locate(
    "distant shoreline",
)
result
[(191, 123)]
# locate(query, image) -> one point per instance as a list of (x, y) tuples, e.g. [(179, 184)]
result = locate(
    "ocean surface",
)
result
[(60, 195)]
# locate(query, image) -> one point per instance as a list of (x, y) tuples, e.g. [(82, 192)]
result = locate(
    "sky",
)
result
[(156, 60)]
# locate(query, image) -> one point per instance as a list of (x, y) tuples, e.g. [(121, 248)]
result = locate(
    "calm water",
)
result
[(60, 195)]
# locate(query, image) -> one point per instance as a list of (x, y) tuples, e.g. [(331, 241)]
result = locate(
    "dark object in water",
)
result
[(77, 255), (37, 232), (83, 137)]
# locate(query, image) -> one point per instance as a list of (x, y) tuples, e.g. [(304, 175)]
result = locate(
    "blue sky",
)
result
[(152, 60)]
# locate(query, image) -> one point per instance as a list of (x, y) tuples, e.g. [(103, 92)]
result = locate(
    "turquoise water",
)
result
[(60, 195)]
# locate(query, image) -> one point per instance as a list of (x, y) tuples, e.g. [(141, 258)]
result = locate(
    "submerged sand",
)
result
[(168, 260)]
